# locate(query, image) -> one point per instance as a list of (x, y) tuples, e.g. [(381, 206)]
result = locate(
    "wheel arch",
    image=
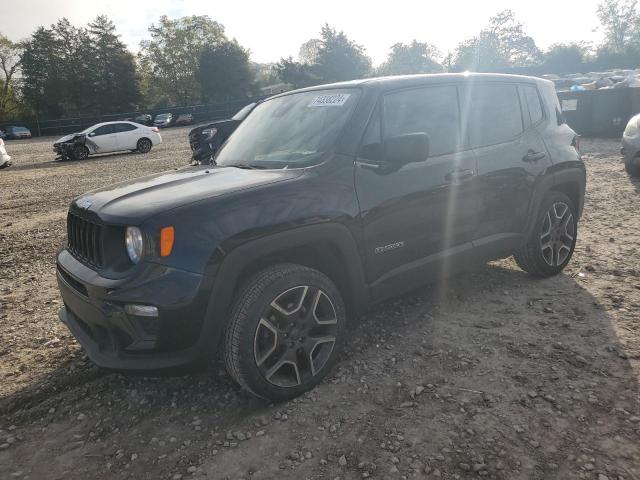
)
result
[(329, 248)]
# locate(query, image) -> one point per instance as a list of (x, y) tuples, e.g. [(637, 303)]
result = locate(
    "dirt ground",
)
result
[(488, 375)]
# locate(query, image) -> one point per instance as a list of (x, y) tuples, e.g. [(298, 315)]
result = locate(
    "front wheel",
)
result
[(287, 325), (80, 152), (144, 145), (553, 239)]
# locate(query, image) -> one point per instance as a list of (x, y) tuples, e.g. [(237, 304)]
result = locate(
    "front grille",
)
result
[(84, 239)]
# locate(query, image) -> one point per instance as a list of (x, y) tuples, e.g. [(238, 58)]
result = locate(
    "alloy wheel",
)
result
[(295, 336), (558, 234), (144, 145)]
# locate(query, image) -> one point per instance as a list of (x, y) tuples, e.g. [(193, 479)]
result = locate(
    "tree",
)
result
[(565, 58), (10, 61), (331, 58), (340, 58), (415, 57), (619, 19), (173, 53), (295, 73), (113, 69), (503, 43), (224, 72)]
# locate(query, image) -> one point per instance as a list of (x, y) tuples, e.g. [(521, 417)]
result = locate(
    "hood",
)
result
[(139, 199), (66, 138)]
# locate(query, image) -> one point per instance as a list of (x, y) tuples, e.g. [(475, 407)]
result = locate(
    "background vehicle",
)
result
[(207, 139), (163, 120), (144, 119), (107, 137), (630, 149), (14, 133), (184, 119), (2, 135), (5, 159), (323, 202)]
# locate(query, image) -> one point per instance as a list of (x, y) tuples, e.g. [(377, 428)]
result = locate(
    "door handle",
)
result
[(533, 156), (459, 175)]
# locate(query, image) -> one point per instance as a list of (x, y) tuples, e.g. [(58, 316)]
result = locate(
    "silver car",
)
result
[(631, 147)]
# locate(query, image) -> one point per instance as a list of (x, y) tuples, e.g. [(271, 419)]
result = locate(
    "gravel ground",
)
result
[(492, 374)]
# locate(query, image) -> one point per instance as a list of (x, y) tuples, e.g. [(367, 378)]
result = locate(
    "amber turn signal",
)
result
[(167, 236)]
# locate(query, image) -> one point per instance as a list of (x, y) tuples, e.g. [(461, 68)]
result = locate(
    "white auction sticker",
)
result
[(569, 105), (332, 100)]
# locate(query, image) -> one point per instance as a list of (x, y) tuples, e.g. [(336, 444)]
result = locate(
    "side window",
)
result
[(103, 130), (432, 110), (533, 102), (123, 127), (372, 141), (494, 114)]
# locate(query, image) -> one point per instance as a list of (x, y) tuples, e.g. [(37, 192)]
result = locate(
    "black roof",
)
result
[(402, 81)]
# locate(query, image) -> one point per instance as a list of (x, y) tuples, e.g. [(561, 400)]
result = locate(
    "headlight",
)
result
[(208, 133), (134, 243)]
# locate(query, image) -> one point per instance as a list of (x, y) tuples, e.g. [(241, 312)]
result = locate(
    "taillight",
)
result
[(1, 142), (155, 129)]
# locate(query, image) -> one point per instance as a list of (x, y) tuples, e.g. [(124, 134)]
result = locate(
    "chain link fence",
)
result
[(201, 114)]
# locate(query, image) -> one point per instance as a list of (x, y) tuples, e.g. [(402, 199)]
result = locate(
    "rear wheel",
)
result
[(552, 241), (286, 328), (144, 145), (632, 166), (80, 152)]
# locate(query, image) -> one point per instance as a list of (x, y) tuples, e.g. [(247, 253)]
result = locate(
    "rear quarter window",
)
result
[(533, 102)]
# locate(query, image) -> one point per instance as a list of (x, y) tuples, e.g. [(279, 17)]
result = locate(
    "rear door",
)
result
[(424, 212), (127, 135), (510, 155), (104, 138)]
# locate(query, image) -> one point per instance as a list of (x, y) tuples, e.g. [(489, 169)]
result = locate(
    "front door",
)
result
[(104, 138), (416, 217)]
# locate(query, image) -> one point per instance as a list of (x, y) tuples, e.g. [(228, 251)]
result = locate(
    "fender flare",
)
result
[(547, 183), (231, 265)]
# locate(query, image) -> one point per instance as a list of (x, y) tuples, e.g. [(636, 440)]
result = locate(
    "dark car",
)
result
[(207, 139), (163, 120), (144, 119), (184, 119), (323, 202), (15, 133)]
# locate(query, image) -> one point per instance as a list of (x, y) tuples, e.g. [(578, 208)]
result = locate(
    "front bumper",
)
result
[(94, 311)]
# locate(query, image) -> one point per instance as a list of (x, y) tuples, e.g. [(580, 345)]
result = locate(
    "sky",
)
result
[(275, 29)]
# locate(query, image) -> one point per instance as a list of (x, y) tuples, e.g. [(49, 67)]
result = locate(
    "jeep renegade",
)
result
[(323, 202)]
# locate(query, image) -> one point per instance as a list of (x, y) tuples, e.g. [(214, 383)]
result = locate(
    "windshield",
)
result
[(243, 112), (291, 131)]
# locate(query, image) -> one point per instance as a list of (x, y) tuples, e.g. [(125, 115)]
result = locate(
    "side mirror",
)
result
[(407, 148), (92, 134)]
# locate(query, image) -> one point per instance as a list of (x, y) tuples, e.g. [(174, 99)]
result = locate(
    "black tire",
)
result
[(265, 334), (558, 248), (80, 153), (144, 145), (632, 166)]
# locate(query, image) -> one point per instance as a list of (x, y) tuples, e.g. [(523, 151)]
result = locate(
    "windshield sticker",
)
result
[(333, 100)]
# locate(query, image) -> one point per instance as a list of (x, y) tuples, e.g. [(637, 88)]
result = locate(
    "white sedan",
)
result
[(108, 137), (5, 159)]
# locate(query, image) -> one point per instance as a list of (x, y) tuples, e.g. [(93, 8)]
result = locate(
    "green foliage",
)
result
[(619, 20), (415, 57), (565, 58), (68, 70), (332, 58), (224, 72), (503, 43), (10, 61), (171, 57)]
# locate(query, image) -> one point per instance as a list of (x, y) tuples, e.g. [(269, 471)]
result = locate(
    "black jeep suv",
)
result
[(323, 202)]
